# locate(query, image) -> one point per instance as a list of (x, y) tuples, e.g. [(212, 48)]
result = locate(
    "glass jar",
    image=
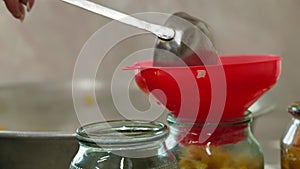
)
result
[(123, 145), (231, 145), (290, 142)]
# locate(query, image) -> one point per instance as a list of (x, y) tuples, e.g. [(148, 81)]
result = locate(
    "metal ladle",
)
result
[(175, 37), (192, 45)]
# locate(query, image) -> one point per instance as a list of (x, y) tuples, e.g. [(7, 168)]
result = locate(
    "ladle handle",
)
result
[(160, 31)]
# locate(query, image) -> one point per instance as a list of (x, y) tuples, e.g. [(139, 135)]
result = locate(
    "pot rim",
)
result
[(36, 134)]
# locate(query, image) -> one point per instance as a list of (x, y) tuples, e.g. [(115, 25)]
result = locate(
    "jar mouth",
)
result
[(234, 121), (122, 132)]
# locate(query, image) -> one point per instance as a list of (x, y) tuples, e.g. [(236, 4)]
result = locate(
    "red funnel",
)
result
[(245, 78)]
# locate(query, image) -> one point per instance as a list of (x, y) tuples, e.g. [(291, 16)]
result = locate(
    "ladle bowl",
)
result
[(247, 78)]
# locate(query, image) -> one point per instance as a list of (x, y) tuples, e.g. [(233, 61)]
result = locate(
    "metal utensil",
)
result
[(176, 37), (160, 31), (192, 45)]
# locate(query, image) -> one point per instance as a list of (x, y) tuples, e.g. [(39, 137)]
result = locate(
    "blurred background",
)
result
[(45, 46)]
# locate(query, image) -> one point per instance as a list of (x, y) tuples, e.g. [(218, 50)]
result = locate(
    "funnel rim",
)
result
[(262, 59)]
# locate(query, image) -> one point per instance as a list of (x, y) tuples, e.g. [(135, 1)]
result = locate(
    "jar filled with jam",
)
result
[(290, 142), (228, 144), (123, 145)]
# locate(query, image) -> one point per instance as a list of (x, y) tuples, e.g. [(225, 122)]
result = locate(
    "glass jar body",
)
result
[(290, 146), (230, 146), (91, 158), (127, 145)]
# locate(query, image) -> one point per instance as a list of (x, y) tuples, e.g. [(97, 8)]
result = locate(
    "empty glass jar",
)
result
[(230, 144), (123, 145)]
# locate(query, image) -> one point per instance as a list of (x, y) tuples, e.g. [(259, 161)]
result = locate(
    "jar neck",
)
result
[(290, 136), (227, 131), (123, 135)]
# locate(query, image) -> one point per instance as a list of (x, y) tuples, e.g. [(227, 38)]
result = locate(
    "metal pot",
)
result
[(38, 123)]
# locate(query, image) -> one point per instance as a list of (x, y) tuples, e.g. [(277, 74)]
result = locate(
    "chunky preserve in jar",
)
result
[(123, 145), (231, 145), (290, 142)]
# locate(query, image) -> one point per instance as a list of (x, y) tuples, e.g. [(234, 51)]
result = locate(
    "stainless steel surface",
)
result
[(30, 151), (38, 121), (191, 46), (162, 32)]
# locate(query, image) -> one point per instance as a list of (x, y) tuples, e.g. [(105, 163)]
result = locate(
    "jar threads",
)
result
[(126, 144)]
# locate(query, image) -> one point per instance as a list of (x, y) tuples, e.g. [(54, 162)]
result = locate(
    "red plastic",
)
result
[(247, 77)]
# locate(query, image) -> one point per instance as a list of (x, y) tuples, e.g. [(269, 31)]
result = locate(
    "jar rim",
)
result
[(118, 132), (234, 121)]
